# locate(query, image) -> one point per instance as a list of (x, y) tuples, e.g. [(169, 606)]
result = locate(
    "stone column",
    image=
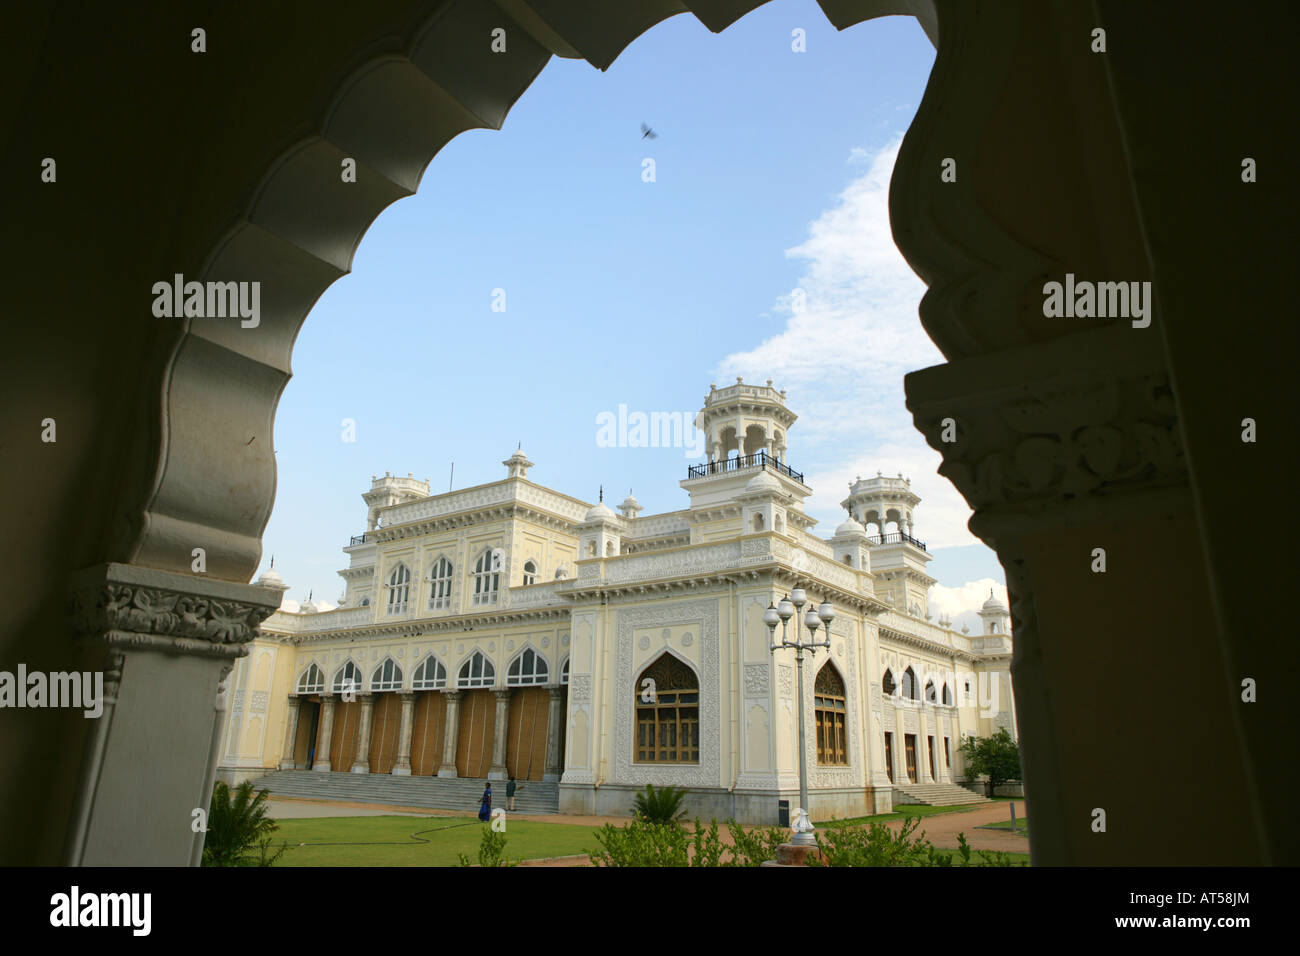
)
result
[(451, 734), (403, 766), (554, 730), (362, 763), (322, 762), (290, 734), (498, 769)]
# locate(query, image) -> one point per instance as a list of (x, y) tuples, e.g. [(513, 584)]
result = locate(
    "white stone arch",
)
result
[(652, 657), (377, 682), (489, 666), (342, 672), (302, 682), (428, 683)]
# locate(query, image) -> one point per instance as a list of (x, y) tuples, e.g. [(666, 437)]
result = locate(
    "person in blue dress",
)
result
[(485, 806)]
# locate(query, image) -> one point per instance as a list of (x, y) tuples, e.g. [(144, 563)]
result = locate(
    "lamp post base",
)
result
[(789, 854)]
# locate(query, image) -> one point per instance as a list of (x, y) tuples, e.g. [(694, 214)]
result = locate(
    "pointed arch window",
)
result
[(887, 685), (387, 676), (947, 695), (476, 672), (530, 573), (909, 685), (399, 589), (430, 675), (528, 668), (312, 682), (440, 585), (487, 578), (667, 697), (347, 679), (831, 710), (564, 671), (930, 697)]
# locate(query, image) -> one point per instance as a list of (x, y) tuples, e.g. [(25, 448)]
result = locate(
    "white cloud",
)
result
[(962, 603), (842, 360)]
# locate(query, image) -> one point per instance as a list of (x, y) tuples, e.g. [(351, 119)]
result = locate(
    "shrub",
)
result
[(754, 847), (491, 850), (237, 826), (659, 806), (641, 843)]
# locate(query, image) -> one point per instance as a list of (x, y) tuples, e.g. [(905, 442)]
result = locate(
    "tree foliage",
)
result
[(238, 828), (997, 757), (662, 805)]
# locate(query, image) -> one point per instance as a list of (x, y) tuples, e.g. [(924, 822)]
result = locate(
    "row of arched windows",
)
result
[(888, 686), (667, 701), (527, 669), (487, 582)]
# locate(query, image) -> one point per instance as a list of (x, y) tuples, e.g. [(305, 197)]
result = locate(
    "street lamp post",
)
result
[(789, 607)]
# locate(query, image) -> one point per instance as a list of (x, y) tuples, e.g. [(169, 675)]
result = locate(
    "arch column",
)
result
[(554, 719), (450, 733), (290, 733), (403, 766), (362, 763), (322, 762), (498, 769)]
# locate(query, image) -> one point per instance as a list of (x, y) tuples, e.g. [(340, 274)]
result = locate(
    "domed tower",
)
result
[(745, 429), (600, 534), (996, 617), (271, 579), (885, 507), (387, 491)]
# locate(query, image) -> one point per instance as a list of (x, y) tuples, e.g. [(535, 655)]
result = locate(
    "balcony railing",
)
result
[(359, 539), (897, 538), (758, 459)]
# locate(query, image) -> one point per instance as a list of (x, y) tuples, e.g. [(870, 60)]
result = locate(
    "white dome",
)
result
[(762, 482), (993, 604), (600, 510), (630, 502), (270, 579), (309, 607), (850, 526)]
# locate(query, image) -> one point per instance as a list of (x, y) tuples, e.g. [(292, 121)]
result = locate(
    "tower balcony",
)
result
[(760, 459), (897, 537)]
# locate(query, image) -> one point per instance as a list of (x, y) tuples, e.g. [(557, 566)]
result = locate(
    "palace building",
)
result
[(511, 629)]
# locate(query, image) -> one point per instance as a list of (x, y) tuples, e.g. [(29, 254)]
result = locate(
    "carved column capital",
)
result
[(133, 607)]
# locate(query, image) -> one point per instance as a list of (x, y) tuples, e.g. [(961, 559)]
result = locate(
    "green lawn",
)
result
[(388, 841), (908, 810), (1022, 825)]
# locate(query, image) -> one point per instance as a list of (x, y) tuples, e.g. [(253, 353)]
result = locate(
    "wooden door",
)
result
[(909, 743), (889, 756), (474, 739), (305, 738), (385, 725), (428, 728), (526, 737), (934, 771), (343, 735)]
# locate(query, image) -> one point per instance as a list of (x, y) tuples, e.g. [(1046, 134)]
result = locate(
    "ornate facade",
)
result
[(511, 629)]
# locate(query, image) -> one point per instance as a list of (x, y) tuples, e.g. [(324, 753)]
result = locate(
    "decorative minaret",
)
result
[(271, 579), (630, 506), (517, 464), (600, 532), (387, 491), (885, 506), (996, 617), (745, 482)]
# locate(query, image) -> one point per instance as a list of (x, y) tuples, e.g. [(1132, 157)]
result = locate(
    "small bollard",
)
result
[(1013, 816)]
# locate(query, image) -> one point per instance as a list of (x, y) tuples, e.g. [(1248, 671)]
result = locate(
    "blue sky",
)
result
[(771, 174)]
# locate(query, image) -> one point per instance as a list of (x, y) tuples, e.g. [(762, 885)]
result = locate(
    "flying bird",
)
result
[(648, 133)]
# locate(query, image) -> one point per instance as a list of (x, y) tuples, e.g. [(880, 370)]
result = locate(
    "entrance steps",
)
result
[(440, 793), (936, 794)]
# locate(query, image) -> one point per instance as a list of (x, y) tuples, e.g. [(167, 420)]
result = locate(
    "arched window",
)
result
[(909, 685), (667, 696), (609, 549), (831, 711), (947, 695), (399, 589), (477, 672), (387, 676), (564, 671), (993, 627), (758, 522), (887, 684), (347, 679), (440, 585), (312, 682), (530, 573), (527, 668), (430, 675), (365, 602), (487, 578), (929, 692), (591, 549)]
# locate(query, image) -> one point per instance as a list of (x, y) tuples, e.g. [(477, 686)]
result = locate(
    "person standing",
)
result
[(485, 804), (511, 789)]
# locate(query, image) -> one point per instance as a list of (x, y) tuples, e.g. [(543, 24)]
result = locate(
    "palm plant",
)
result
[(239, 827), (659, 806)]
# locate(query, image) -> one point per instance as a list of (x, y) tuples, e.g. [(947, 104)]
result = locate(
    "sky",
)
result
[(771, 175)]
